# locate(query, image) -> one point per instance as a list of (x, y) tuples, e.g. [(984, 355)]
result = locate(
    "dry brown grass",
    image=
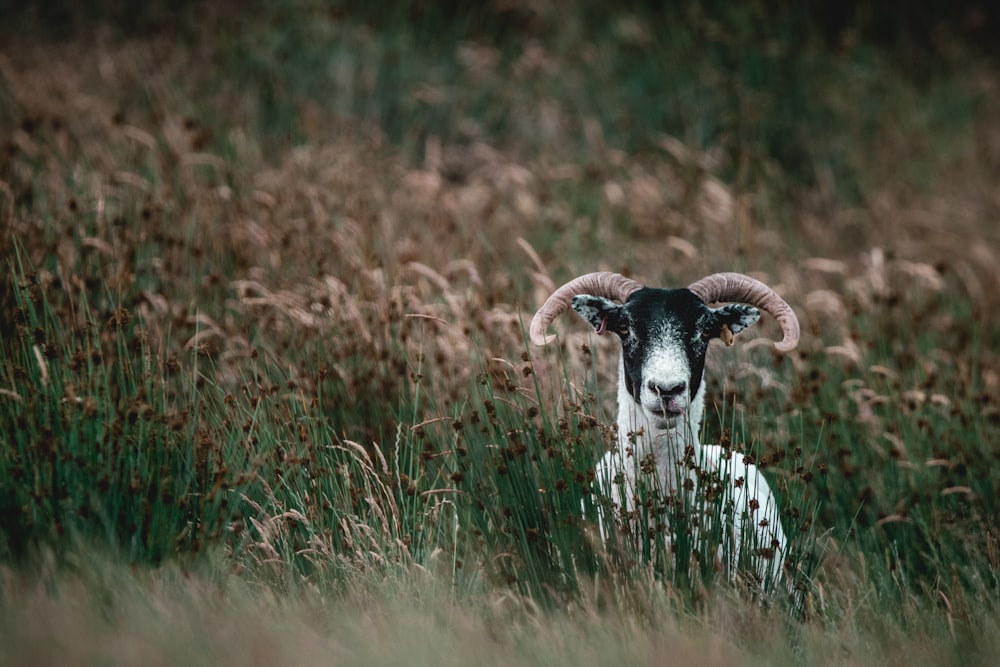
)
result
[(342, 236), (110, 615)]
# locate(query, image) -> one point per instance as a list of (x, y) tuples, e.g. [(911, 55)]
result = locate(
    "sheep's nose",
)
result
[(667, 390)]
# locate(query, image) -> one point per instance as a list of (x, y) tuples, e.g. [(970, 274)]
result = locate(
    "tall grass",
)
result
[(96, 446), (263, 327)]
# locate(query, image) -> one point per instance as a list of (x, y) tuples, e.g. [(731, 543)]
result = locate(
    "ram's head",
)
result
[(665, 332)]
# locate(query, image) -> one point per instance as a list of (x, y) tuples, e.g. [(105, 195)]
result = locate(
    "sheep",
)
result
[(664, 335)]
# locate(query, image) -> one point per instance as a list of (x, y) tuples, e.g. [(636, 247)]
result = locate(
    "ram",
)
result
[(664, 336)]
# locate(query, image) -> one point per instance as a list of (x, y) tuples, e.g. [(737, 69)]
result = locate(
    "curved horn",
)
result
[(736, 287), (609, 285)]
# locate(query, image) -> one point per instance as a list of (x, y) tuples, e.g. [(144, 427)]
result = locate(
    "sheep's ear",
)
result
[(731, 319), (602, 314)]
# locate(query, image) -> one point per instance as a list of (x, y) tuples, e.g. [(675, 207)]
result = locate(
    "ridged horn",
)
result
[(603, 283), (739, 288)]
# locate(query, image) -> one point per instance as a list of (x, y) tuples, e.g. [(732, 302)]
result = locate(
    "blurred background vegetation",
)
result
[(798, 83)]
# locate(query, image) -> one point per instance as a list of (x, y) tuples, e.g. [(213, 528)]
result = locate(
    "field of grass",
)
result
[(265, 395)]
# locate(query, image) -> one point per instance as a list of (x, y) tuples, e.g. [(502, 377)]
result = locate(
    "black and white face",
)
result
[(664, 336)]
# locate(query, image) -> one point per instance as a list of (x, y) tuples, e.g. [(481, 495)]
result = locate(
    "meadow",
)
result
[(265, 390)]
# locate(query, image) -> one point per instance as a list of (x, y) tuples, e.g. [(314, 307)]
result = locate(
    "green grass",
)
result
[(95, 446), (263, 361)]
